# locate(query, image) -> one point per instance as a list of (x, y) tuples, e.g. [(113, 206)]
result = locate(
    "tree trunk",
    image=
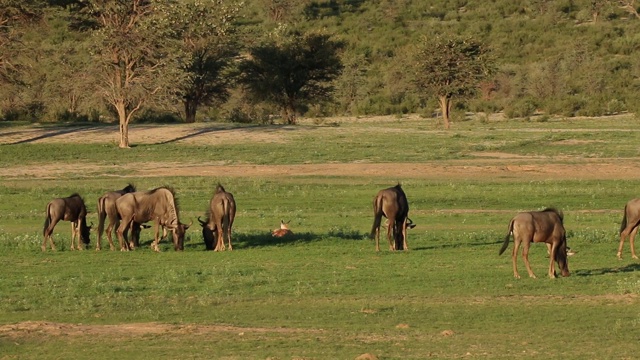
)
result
[(445, 107), (190, 109), (124, 126), (289, 114)]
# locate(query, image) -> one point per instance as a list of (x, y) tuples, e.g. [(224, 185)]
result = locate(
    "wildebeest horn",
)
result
[(410, 223), (202, 223), (188, 226)]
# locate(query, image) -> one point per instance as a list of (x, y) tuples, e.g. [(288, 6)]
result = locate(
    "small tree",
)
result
[(294, 73), (209, 47), (450, 67), (135, 48)]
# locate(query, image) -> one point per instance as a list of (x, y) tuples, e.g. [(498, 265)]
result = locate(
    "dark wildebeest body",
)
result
[(158, 205), (538, 226), (71, 209), (207, 235), (629, 226), (392, 203), (107, 209), (222, 212)]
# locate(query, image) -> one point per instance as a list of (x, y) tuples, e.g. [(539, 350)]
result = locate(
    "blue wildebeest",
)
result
[(392, 203), (71, 209), (538, 226), (221, 213), (107, 209), (629, 226), (157, 205)]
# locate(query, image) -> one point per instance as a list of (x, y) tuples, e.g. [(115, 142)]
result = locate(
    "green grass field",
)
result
[(326, 293)]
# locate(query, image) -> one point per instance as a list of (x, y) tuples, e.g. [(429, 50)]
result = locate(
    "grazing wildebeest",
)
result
[(283, 230), (207, 234), (222, 212), (538, 226), (629, 226), (71, 209), (157, 205), (107, 208), (392, 203)]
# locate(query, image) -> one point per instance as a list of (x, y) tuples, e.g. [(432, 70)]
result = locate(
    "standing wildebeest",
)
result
[(392, 203), (72, 209), (629, 226), (538, 226), (222, 211), (107, 208), (157, 205)]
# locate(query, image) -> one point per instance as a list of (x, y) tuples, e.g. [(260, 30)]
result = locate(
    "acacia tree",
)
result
[(294, 73), (450, 67), (209, 46), (135, 49)]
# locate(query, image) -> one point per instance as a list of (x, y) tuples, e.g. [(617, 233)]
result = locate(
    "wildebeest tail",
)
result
[(102, 215), (623, 225), (47, 221), (377, 208), (505, 245)]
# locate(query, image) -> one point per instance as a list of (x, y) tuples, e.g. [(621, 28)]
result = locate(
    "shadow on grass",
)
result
[(194, 242), (214, 129), (57, 131), (454, 245), (604, 271)]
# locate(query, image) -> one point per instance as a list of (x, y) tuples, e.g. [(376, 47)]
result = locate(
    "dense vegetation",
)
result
[(568, 57)]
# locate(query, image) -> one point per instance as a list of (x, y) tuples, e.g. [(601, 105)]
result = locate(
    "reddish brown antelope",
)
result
[(392, 203), (71, 209), (107, 209), (222, 212), (283, 230), (157, 205), (629, 226), (538, 226)]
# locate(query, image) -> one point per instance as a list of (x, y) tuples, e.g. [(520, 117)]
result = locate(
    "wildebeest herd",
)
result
[(128, 210)]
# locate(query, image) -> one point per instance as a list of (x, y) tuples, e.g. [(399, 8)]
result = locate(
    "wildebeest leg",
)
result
[(514, 256), (552, 259), (631, 239), (631, 228), (229, 237), (156, 237), (404, 234), (48, 232), (73, 234), (121, 233), (391, 234), (110, 228), (525, 255)]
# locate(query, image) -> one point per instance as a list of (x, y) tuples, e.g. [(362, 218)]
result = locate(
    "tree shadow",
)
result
[(219, 128), (603, 271), (57, 131)]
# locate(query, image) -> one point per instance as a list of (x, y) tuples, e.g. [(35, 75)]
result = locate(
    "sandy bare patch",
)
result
[(44, 328)]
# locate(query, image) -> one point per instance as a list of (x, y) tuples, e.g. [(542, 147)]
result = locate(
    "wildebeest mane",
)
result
[(558, 212), (173, 193)]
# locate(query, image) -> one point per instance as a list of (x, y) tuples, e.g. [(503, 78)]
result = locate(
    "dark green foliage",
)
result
[(293, 73), (570, 57)]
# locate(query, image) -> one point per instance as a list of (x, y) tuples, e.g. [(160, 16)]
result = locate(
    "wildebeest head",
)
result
[(561, 258), (178, 232), (85, 232), (207, 234)]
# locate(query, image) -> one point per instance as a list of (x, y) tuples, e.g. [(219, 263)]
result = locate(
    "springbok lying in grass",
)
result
[(538, 226), (392, 203), (71, 209), (283, 230)]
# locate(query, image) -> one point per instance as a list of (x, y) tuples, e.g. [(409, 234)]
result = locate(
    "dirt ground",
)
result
[(484, 165)]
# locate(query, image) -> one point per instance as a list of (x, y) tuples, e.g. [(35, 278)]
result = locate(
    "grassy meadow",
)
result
[(325, 293)]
